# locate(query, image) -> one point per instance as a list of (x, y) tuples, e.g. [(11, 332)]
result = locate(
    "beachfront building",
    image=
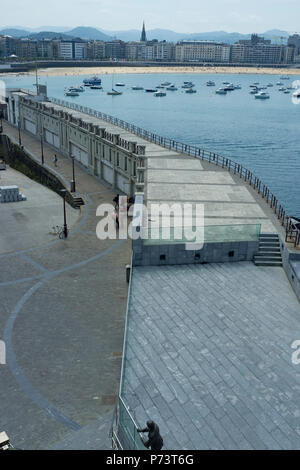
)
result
[(257, 50), (96, 50), (294, 43), (115, 49), (202, 51), (73, 49)]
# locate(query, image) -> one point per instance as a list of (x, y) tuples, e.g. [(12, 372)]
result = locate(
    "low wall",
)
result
[(291, 265), (222, 252), (176, 253), (18, 159)]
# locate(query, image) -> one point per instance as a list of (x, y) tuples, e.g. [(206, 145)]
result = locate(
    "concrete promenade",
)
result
[(62, 314)]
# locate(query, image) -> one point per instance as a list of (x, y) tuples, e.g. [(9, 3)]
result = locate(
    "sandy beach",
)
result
[(160, 70)]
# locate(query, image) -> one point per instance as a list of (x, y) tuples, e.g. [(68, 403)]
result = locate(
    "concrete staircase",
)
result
[(269, 253), (77, 202)]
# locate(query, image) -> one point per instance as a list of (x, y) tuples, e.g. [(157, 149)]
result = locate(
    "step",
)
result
[(266, 247), (266, 258), (275, 254), (269, 240), (268, 263), (269, 235)]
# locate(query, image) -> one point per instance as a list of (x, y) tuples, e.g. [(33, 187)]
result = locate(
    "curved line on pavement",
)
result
[(12, 362), (45, 245)]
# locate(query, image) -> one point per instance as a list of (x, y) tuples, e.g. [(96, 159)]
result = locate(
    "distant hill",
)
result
[(49, 35), (16, 33), (85, 32)]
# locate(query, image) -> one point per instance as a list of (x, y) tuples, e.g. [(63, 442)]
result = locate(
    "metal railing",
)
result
[(123, 433), (193, 151)]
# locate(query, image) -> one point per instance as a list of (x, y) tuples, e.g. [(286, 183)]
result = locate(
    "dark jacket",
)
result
[(155, 441)]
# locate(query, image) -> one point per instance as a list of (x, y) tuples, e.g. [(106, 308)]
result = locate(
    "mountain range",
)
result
[(85, 32)]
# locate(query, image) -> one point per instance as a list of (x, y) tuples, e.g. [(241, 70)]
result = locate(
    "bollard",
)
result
[(128, 268)]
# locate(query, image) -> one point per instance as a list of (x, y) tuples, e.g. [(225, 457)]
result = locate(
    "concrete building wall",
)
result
[(103, 154)]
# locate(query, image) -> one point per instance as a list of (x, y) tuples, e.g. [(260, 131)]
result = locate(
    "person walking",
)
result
[(55, 160), (155, 441)]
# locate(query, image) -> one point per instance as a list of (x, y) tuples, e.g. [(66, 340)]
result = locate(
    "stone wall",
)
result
[(18, 159)]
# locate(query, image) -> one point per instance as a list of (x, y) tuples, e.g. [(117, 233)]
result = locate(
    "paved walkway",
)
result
[(62, 312), (209, 356)]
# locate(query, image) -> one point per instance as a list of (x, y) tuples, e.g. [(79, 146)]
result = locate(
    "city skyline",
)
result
[(111, 15)]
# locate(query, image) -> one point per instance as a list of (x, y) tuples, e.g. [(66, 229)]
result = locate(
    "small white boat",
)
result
[(279, 83), (71, 93), (262, 95), (190, 90), (160, 93), (286, 92), (296, 94), (286, 77), (166, 83), (172, 88), (229, 87), (120, 84), (79, 89), (210, 83), (150, 90), (270, 85), (114, 92), (96, 87), (188, 85), (225, 83), (281, 89), (237, 87), (221, 91), (137, 88)]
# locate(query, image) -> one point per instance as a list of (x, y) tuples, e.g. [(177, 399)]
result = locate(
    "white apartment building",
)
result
[(204, 51)]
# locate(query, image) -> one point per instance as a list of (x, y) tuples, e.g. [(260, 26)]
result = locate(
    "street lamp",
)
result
[(19, 129), (1, 126), (63, 193), (73, 190), (42, 149)]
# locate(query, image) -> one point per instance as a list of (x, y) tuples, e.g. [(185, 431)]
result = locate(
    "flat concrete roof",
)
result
[(209, 356)]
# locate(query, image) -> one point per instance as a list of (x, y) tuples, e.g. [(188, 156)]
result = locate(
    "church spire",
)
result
[(143, 35)]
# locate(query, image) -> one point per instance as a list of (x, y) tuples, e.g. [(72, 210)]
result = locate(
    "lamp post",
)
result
[(1, 126), (63, 193), (73, 190), (19, 129), (42, 149)]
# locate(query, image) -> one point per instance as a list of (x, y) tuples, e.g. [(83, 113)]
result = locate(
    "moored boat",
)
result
[(221, 91), (114, 92), (92, 81), (262, 95), (160, 93), (172, 88)]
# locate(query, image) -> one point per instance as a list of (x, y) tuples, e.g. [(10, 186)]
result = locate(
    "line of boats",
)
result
[(94, 83)]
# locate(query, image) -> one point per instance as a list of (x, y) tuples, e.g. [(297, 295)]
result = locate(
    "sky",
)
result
[(194, 16)]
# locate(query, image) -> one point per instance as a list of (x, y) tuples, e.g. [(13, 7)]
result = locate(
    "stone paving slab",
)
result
[(215, 343)]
